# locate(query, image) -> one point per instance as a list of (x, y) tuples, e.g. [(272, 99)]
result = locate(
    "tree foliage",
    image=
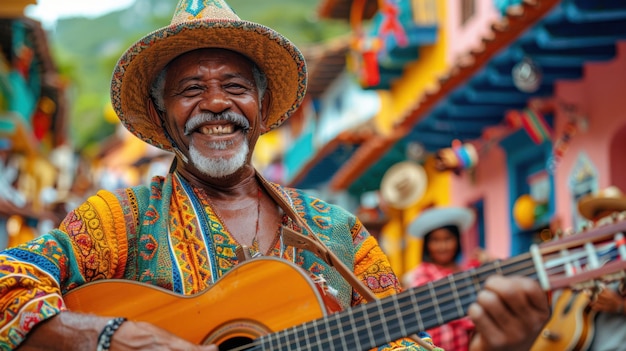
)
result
[(86, 50)]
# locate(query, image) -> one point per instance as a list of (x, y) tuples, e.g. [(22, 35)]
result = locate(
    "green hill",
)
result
[(86, 50)]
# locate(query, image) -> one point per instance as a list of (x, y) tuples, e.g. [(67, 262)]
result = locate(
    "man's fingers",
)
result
[(509, 311)]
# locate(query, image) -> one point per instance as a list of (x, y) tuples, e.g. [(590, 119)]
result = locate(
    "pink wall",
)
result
[(600, 94), (617, 157), (489, 183), (461, 39)]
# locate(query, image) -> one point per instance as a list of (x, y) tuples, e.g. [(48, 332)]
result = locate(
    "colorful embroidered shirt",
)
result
[(168, 235)]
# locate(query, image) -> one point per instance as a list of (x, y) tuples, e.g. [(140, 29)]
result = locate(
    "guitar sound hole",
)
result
[(235, 342)]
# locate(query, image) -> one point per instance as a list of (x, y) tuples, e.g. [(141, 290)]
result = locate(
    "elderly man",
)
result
[(206, 87)]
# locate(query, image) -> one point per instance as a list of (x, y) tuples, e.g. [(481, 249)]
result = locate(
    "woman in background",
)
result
[(441, 229)]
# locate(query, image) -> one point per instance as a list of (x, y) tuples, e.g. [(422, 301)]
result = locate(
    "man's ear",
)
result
[(154, 115), (265, 110)]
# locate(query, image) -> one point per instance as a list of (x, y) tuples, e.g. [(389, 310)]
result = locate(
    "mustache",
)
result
[(235, 118)]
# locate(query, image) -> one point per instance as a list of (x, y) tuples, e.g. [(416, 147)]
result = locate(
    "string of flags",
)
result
[(461, 156), (532, 121)]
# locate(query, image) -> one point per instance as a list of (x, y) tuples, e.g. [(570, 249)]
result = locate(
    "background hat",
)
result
[(439, 217), (403, 184), (610, 198), (205, 24)]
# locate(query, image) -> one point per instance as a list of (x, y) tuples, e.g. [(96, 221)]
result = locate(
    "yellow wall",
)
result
[(269, 145), (419, 77), (404, 251)]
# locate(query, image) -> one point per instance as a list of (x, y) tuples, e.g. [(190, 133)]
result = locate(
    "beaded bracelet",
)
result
[(104, 339)]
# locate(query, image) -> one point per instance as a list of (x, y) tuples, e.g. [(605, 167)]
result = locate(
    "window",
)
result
[(583, 180)]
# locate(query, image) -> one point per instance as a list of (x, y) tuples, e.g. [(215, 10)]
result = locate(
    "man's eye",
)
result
[(235, 88), (192, 89)]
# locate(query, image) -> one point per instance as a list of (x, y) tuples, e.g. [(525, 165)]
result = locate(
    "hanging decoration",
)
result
[(23, 61), (391, 26), (533, 123), (363, 59), (531, 210), (457, 158), (42, 118), (576, 122), (527, 76), (367, 50), (532, 120), (415, 151), (403, 184), (527, 210)]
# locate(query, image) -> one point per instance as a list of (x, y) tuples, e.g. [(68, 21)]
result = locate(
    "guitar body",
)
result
[(570, 327), (258, 297)]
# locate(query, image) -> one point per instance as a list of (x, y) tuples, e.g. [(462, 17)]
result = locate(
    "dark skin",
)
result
[(442, 246), (203, 81), (509, 312)]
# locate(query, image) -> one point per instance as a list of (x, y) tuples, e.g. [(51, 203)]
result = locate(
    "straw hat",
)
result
[(439, 217), (403, 184), (205, 24), (610, 198)]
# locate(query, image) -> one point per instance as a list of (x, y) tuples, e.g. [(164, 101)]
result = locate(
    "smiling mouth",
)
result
[(217, 129), (222, 129)]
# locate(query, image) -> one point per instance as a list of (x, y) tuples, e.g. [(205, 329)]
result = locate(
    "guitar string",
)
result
[(423, 310), (425, 305), (451, 310)]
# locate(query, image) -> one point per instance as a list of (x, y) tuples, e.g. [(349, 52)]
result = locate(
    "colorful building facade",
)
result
[(36, 172), (510, 108)]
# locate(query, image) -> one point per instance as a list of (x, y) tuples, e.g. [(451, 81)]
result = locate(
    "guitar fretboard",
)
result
[(416, 309)]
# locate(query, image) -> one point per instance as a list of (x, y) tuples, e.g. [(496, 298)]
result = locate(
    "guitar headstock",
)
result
[(582, 260)]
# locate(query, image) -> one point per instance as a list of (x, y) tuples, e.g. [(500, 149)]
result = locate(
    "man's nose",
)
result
[(215, 100)]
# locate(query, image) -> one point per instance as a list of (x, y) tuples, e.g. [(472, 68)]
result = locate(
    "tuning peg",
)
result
[(551, 335)]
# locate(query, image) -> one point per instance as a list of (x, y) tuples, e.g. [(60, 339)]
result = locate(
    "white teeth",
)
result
[(217, 129)]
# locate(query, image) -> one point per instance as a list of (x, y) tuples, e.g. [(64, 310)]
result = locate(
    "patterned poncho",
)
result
[(168, 235)]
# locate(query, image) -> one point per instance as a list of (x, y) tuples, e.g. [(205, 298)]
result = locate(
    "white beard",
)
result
[(219, 167)]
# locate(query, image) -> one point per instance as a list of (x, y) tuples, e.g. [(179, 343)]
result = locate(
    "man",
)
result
[(206, 87), (609, 327)]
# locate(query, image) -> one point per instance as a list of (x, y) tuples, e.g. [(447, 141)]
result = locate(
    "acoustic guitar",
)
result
[(570, 327), (271, 304)]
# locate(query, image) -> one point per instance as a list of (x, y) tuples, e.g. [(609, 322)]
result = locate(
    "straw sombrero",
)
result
[(610, 198), (403, 184), (205, 24), (439, 217)]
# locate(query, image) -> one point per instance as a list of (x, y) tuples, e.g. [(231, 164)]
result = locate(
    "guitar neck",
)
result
[(416, 309)]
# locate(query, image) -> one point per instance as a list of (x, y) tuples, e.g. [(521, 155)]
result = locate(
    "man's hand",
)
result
[(145, 336), (76, 331), (509, 314), (608, 301)]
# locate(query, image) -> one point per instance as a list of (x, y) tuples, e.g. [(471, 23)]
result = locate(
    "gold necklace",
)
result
[(255, 244)]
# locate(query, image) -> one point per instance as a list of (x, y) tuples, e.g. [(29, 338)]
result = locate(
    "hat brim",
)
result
[(435, 218), (403, 184), (589, 206), (280, 60)]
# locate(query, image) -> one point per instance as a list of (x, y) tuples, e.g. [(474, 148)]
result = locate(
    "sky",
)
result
[(49, 11)]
